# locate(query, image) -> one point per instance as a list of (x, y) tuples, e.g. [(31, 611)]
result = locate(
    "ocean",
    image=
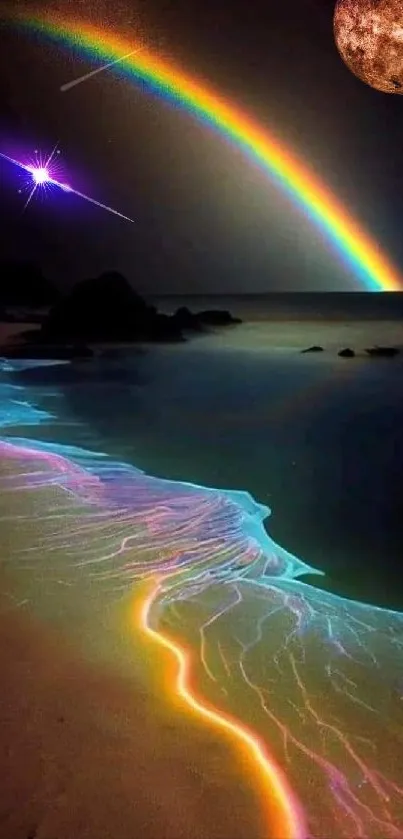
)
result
[(316, 438), (268, 482), (295, 306)]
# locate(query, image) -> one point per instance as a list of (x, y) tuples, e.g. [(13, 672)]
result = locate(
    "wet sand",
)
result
[(294, 435), (85, 753)]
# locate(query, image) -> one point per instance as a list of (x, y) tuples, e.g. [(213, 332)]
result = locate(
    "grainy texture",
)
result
[(369, 37), (86, 755)]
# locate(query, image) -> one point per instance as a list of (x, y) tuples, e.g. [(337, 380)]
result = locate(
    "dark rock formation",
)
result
[(197, 321), (217, 317), (23, 284), (346, 353), (313, 349), (106, 309), (385, 352), (187, 320)]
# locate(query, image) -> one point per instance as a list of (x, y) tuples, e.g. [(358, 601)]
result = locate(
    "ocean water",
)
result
[(169, 460), (316, 438), (295, 306)]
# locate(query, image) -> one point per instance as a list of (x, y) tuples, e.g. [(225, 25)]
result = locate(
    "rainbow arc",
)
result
[(142, 65)]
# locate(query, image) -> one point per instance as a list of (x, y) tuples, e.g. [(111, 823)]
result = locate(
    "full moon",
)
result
[(369, 37)]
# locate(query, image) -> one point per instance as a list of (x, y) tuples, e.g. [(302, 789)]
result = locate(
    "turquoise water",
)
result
[(314, 438), (168, 461)]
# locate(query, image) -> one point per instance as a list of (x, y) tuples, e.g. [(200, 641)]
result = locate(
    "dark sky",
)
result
[(206, 219)]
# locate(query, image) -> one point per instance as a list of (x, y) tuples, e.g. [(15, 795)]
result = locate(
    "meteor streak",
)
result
[(75, 82), (41, 177)]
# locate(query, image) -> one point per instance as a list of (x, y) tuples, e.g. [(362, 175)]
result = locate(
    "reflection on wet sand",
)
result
[(86, 753), (315, 676)]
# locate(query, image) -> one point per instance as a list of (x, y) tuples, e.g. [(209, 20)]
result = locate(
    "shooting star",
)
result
[(75, 82), (41, 178), (39, 173)]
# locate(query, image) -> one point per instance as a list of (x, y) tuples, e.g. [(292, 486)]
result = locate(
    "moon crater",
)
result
[(369, 37)]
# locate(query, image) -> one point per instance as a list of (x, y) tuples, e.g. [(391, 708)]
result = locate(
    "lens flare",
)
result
[(42, 176)]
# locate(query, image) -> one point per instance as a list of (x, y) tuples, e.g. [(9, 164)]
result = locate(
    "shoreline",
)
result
[(321, 377), (320, 605)]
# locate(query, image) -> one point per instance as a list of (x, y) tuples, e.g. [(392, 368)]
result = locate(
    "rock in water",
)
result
[(217, 317), (385, 352), (197, 321)]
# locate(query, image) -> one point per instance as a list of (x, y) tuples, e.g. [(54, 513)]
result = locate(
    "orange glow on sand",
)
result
[(282, 812)]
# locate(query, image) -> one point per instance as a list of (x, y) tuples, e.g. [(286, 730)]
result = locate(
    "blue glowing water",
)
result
[(318, 675)]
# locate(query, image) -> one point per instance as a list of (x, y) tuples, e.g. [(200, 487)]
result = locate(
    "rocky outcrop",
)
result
[(187, 320), (346, 353), (314, 348), (384, 352), (23, 284), (198, 321), (217, 317), (106, 309)]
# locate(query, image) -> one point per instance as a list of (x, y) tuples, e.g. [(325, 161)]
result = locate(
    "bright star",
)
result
[(42, 173)]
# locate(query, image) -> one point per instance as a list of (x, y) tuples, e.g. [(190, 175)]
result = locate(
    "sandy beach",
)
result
[(94, 738), (94, 743), (87, 753)]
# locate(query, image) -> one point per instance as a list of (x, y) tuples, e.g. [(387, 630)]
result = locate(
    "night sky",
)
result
[(206, 219)]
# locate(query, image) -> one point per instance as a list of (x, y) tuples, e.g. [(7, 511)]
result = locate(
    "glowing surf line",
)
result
[(289, 814), (172, 83)]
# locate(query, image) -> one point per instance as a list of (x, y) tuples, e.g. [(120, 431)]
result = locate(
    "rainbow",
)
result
[(170, 82)]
